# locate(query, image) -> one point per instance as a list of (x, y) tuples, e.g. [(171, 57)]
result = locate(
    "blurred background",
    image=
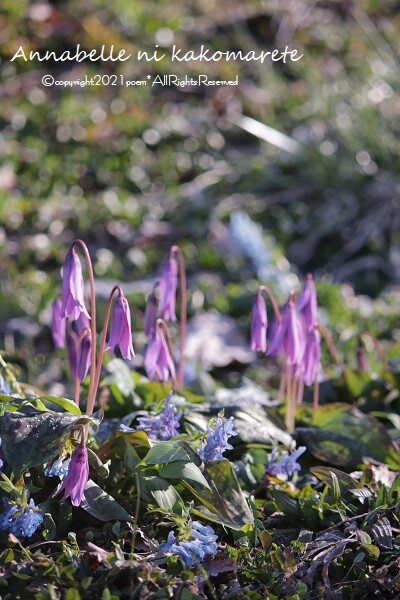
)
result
[(134, 170)]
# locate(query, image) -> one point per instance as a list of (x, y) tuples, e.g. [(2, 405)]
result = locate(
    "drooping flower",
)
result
[(120, 329), (289, 336), (150, 314), (74, 483), (307, 303), (167, 285), (73, 297), (312, 356), (286, 465), (157, 359), (163, 426), (21, 521), (58, 324), (217, 440), (258, 335), (72, 351), (193, 551), (84, 356)]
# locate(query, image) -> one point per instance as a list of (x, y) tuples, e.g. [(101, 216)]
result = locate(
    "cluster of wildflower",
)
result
[(163, 426), (296, 336), (157, 359), (20, 521), (203, 542), (217, 440), (286, 465), (59, 468)]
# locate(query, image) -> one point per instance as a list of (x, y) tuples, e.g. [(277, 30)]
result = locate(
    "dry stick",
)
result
[(85, 251), (377, 346), (329, 342), (162, 325), (316, 395), (92, 395), (182, 315)]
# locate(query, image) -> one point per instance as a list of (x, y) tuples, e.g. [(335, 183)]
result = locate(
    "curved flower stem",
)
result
[(182, 314), (275, 307), (329, 342), (89, 266), (162, 325), (99, 362), (377, 345)]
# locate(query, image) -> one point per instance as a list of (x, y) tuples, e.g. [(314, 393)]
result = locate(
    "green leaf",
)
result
[(344, 480), (103, 506), (119, 374), (31, 439), (165, 452), (183, 470), (50, 526), (65, 403), (163, 493), (289, 506)]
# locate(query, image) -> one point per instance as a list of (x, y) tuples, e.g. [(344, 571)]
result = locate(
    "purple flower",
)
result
[(120, 330), (74, 483), (217, 440), (157, 359), (150, 314), (73, 300), (307, 303), (84, 356), (193, 551), (58, 324), (21, 521), (168, 284), (258, 336), (163, 426), (290, 336), (286, 465), (72, 351), (312, 356)]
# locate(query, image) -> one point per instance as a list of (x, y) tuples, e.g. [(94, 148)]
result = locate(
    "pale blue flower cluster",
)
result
[(163, 426), (203, 542), (58, 469), (217, 440), (286, 465), (21, 522)]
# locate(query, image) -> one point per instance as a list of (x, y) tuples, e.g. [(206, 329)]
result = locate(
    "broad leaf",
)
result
[(103, 506)]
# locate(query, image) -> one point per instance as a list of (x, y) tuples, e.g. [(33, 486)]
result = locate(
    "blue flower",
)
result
[(193, 551), (286, 465), (27, 521), (163, 426), (217, 441), (58, 469)]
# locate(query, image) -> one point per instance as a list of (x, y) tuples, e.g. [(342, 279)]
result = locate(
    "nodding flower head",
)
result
[(289, 336), (73, 300), (58, 324), (74, 482), (258, 335), (167, 284), (307, 303), (120, 329), (157, 359), (311, 357), (150, 314)]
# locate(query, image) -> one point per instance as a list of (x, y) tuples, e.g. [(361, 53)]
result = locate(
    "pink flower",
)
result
[(307, 303), (120, 330), (168, 284), (258, 335), (150, 314), (289, 335), (73, 300), (58, 324), (157, 359), (312, 356), (74, 482)]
